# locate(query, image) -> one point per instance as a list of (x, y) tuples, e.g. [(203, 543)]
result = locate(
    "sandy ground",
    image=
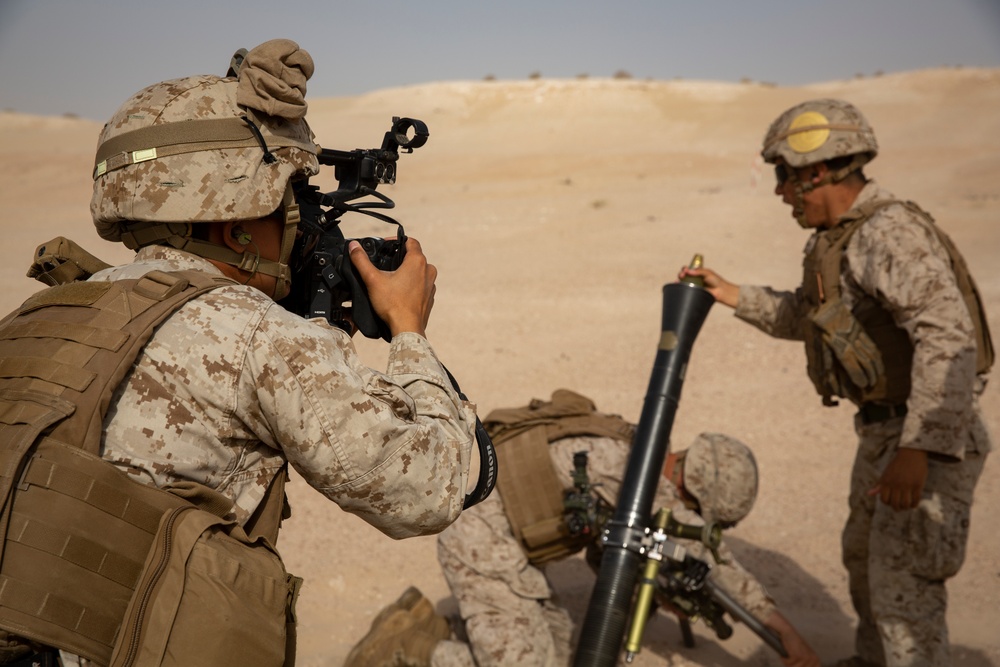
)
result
[(555, 211)]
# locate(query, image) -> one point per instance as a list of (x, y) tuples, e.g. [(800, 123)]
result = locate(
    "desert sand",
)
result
[(555, 211)]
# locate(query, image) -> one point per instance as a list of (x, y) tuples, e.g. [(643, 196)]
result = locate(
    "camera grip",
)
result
[(365, 319), (386, 256)]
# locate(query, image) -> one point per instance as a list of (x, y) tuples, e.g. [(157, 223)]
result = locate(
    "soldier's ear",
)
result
[(818, 172), (235, 237)]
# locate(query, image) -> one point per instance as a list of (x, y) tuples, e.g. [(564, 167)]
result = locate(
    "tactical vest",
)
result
[(860, 354), (532, 493), (77, 532)]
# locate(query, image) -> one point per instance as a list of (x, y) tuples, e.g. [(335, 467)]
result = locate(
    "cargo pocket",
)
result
[(858, 355), (928, 541), (393, 396), (208, 596)]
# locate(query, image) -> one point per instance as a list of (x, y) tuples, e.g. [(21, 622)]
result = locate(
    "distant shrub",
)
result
[(489, 77), (583, 76), (535, 75), (622, 74)]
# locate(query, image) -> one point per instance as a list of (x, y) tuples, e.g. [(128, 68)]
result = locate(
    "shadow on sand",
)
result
[(800, 596)]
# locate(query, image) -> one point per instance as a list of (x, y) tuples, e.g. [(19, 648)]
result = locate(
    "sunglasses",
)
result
[(781, 173)]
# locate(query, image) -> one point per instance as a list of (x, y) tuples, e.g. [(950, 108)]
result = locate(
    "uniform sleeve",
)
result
[(744, 587), (393, 448), (778, 314), (897, 258)]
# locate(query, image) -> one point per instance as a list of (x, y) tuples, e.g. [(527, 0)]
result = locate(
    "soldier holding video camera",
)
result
[(198, 176)]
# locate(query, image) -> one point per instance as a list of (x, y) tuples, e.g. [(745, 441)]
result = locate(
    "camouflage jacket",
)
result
[(897, 260), (232, 386)]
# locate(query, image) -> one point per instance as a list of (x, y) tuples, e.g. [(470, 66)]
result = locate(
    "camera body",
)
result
[(327, 285), (324, 281)]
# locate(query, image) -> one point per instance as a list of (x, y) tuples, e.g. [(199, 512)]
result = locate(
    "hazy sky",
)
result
[(87, 56)]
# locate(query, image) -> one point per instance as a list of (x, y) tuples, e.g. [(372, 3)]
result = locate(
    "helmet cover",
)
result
[(154, 164), (721, 473), (819, 130)]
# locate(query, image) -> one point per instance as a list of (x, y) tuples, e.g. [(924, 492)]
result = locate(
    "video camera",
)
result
[(324, 281)]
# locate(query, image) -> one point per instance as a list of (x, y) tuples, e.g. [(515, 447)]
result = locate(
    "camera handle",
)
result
[(365, 319)]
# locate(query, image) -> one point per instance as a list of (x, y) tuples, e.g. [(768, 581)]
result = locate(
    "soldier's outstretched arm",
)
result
[(725, 292), (800, 654)]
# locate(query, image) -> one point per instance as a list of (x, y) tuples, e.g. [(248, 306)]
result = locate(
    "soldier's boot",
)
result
[(403, 634)]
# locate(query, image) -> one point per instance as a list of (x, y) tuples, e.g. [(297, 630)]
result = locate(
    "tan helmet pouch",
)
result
[(532, 493)]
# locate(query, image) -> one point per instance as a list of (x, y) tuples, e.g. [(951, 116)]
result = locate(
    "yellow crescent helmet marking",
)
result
[(808, 140)]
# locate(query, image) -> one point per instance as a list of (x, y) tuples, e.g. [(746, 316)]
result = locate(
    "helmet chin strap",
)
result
[(802, 188), (254, 263), (290, 208), (178, 235)]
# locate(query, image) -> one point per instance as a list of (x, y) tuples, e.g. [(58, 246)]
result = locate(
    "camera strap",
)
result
[(487, 456)]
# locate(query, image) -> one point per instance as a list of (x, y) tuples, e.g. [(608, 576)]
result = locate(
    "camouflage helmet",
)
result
[(721, 473), (206, 148), (819, 130)]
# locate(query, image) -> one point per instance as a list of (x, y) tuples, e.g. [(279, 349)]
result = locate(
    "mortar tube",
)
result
[(685, 307)]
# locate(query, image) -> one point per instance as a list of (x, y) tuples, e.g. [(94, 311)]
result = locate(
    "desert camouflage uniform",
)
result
[(898, 561), (232, 385), (510, 614)]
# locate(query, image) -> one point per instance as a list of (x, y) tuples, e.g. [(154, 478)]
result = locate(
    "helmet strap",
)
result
[(859, 160), (803, 187), (179, 235)]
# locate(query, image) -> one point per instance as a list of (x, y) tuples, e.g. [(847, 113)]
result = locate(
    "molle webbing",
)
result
[(74, 525), (531, 490), (78, 535), (985, 353), (76, 529), (861, 355), (78, 341), (821, 284)]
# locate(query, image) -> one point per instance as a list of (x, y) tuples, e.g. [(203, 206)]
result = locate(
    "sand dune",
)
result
[(555, 211)]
